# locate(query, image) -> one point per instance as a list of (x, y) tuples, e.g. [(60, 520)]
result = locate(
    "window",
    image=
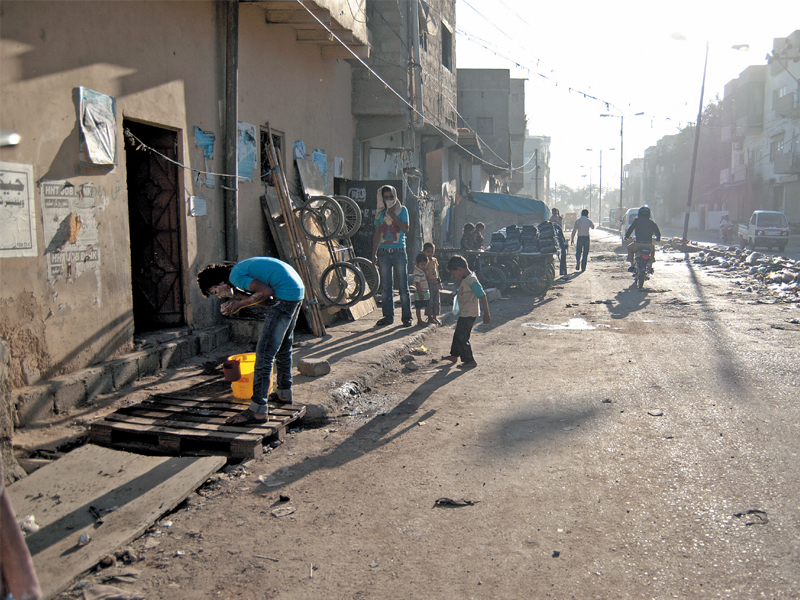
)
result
[(447, 48), (484, 126), (775, 146)]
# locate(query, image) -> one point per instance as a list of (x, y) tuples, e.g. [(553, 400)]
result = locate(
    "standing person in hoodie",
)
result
[(389, 254)]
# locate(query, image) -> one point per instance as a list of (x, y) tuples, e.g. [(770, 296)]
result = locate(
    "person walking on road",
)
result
[(277, 286), (389, 254), (562, 248), (581, 227), (471, 302)]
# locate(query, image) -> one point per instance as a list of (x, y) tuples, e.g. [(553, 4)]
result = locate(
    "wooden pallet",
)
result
[(180, 424)]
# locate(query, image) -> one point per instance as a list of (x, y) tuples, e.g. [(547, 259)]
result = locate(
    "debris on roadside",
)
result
[(450, 503), (754, 272)]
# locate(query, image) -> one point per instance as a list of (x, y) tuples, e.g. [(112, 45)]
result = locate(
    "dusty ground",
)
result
[(652, 454)]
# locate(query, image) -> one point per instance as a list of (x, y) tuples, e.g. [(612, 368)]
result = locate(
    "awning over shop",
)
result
[(513, 204)]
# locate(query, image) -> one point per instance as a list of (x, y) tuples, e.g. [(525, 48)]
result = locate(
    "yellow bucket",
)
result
[(243, 389)]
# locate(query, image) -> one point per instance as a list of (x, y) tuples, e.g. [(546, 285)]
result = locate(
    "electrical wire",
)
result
[(444, 133), (141, 145)]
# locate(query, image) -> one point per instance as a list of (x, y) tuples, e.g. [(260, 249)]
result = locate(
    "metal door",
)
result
[(153, 208)]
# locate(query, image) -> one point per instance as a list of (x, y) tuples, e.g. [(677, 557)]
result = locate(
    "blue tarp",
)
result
[(514, 204)]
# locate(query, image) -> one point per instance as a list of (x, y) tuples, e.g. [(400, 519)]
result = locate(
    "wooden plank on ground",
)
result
[(143, 488), (178, 424)]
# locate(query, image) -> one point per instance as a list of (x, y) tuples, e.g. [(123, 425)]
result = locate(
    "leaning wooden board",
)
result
[(143, 488), (184, 424)]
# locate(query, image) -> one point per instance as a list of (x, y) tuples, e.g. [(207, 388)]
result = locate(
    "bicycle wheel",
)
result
[(494, 277), (371, 275), (342, 284), (352, 215), (321, 218), (535, 281)]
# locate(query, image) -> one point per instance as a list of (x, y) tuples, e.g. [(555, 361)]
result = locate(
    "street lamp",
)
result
[(621, 159), (590, 188), (599, 187)]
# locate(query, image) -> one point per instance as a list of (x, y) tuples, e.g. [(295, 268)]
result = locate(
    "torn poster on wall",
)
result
[(247, 151), (98, 119), (205, 140), (319, 157), (17, 213), (70, 230)]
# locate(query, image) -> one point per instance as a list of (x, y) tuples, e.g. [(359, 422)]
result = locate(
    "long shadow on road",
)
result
[(375, 433)]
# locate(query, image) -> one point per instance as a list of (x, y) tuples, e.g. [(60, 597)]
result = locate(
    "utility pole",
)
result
[(694, 154)]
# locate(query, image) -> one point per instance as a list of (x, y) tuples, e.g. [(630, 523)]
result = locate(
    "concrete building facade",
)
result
[(107, 247)]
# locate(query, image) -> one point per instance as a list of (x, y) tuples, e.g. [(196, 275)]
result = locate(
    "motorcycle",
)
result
[(644, 266)]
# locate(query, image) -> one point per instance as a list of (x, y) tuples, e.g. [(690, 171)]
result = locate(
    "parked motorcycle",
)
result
[(644, 265)]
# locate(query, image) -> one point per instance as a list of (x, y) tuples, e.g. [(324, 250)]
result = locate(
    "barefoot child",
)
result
[(421, 292), (471, 301), (434, 283)]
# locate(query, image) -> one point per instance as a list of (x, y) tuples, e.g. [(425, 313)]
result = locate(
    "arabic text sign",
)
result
[(17, 213), (70, 229)]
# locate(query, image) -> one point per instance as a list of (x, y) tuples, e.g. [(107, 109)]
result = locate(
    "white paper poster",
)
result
[(70, 230), (17, 213)]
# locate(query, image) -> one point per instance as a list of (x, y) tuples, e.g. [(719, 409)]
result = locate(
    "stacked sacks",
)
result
[(513, 243), (498, 242), (529, 237), (547, 238)]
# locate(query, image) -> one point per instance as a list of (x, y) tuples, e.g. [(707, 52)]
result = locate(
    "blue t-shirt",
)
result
[(392, 237), (272, 272)]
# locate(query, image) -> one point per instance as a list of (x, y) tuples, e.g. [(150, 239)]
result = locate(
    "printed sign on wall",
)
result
[(17, 213), (70, 230)]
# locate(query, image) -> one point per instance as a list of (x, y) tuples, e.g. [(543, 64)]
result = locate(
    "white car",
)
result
[(627, 220)]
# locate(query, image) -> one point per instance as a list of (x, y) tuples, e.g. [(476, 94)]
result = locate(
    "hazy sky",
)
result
[(636, 55)]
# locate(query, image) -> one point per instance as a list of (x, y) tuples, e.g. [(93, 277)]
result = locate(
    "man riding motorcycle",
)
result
[(644, 230)]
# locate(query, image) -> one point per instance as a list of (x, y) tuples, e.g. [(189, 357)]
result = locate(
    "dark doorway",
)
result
[(154, 217)]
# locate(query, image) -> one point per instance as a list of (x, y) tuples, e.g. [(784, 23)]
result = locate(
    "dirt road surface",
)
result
[(612, 443)]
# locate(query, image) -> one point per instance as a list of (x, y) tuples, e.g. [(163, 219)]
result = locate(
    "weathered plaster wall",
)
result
[(159, 74), (301, 95), (163, 62)]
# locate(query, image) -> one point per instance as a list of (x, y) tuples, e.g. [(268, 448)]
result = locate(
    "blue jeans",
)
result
[(275, 345), (582, 246), (388, 261)]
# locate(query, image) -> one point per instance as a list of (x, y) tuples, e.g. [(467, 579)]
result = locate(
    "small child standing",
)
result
[(471, 301), (422, 294), (434, 283)]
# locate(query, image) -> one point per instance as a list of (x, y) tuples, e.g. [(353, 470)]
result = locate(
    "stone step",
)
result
[(157, 352)]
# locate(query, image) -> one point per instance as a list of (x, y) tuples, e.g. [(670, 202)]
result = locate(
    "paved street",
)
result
[(612, 443)]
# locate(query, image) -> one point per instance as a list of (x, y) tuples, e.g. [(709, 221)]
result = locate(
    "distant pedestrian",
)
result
[(434, 283), (422, 294), (468, 237), (273, 283), (582, 227), (471, 301), (556, 217), (478, 243), (562, 245), (389, 255)]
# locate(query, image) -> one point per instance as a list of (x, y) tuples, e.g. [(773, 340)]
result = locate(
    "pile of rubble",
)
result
[(775, 275)]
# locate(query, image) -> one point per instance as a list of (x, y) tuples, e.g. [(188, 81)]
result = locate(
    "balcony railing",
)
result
[(788, 106), (787, 163), (752, 123)]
